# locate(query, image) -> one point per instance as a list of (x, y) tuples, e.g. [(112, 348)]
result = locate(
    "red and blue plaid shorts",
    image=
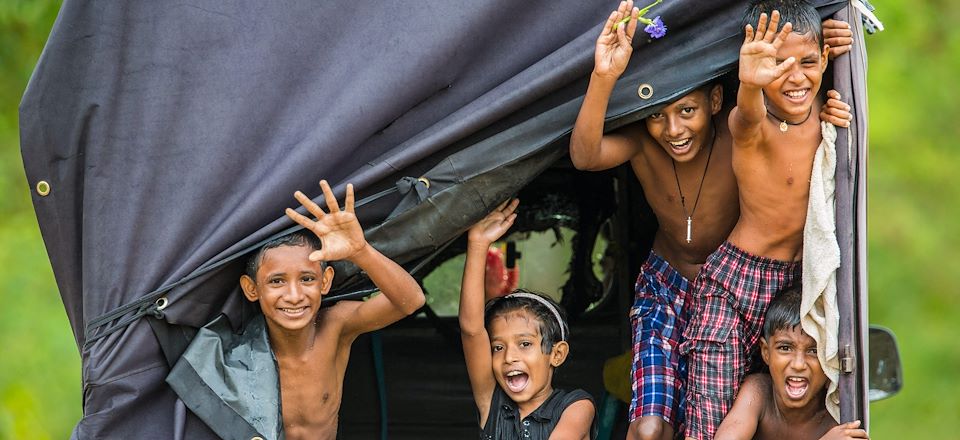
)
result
[(732, 293), (658, 317)]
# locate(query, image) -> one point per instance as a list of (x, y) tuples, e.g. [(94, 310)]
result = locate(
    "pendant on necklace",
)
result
[(689, 229), (783, 126)]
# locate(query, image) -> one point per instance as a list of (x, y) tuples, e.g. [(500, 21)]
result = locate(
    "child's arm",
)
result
[(836, 111), (846, 431), (342, 238), (473, 334), (589, 148), (575, 422), (741, 422), (758, 67)]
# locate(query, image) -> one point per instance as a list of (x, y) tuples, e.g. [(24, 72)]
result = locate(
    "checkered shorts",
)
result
[(732, 293), (658, 317)]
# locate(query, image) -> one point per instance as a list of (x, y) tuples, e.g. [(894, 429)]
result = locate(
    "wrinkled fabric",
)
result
[(819, 313), (230, 380)]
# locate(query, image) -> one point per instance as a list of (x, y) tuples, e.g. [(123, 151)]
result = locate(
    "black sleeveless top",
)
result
[(503, 421)]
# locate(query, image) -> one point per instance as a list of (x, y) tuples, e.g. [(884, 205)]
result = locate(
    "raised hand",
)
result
[(494, 225), (340, 234), (837, 35), (758, 55), (614, 46), (846, 431), (836, 111)]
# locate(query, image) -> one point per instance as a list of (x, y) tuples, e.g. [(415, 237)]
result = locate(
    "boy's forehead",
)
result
[(801, 41), (696, 95), (287, 257), (793, 333)]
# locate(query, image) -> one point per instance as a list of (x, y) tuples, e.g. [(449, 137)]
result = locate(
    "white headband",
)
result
[(550, 307)]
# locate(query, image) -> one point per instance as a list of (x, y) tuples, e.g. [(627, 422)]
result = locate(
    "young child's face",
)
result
[(289, 286), (795, 370), (520, 366), (682, 128), (793, 93)]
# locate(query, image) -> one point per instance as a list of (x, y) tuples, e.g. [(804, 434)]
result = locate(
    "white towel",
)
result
[(819, 314)]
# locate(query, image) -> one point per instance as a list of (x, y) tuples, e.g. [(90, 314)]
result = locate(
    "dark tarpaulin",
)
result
[(173, 135)]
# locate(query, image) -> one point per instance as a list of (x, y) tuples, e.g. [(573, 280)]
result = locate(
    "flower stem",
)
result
[(640, 16)]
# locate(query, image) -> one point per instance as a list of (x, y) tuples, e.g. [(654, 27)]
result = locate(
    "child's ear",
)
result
[(765, 351), (716, 98), (824, 58), (249, 287), (559, 353), (326, 280)]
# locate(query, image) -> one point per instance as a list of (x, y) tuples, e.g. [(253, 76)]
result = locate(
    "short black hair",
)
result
[(800, 13), (784, 311), (297, 238), (550, 329)]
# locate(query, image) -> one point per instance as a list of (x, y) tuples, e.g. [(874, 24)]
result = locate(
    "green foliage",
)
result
[(913, 190), (914, 246)]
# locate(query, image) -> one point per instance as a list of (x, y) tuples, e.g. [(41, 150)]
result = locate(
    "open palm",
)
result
[(339, 231), (758, 55), (495, 224)]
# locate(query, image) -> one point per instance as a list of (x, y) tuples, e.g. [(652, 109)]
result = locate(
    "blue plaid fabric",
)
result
[(658, 317)]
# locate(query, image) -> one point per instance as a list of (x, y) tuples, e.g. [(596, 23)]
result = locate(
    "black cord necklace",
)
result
[(784, 125), (696, 202)]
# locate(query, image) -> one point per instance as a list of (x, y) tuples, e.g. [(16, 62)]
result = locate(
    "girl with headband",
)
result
[(512, 345)]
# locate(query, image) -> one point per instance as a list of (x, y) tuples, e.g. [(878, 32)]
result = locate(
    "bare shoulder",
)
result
[(640, 142), (755, 391), (756, 383), (575, 421), (633, 135), (331, 318)]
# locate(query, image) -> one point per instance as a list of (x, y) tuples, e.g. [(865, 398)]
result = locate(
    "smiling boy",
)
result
[(308, 343), (787, 403), (774, 142), (681, 156)]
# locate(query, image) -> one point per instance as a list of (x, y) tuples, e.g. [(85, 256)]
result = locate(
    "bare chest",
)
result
[(310, 392), (696, 202)]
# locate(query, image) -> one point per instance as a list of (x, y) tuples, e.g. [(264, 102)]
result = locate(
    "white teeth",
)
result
[(514, 373), (797, 93), (679, 143)]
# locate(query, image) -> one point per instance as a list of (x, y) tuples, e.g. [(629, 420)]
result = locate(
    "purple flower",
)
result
[(656, 28)]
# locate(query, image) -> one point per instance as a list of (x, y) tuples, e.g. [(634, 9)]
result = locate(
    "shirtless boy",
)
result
[(774, 141), (682, 157), (312, 344), (788, 403)]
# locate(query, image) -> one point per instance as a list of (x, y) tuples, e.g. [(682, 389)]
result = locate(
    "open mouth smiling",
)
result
[(681, 146), (516, 380)]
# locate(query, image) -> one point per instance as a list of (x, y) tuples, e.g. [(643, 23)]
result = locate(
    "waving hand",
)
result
[(758, 55), (339, 231)]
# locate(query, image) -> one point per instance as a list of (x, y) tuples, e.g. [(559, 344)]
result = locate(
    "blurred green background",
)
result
[(914, 240)]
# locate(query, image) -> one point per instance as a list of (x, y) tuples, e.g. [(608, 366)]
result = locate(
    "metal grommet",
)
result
[(645, 91), (424, 181), (162, 303), (43, 188), (256, 438)]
